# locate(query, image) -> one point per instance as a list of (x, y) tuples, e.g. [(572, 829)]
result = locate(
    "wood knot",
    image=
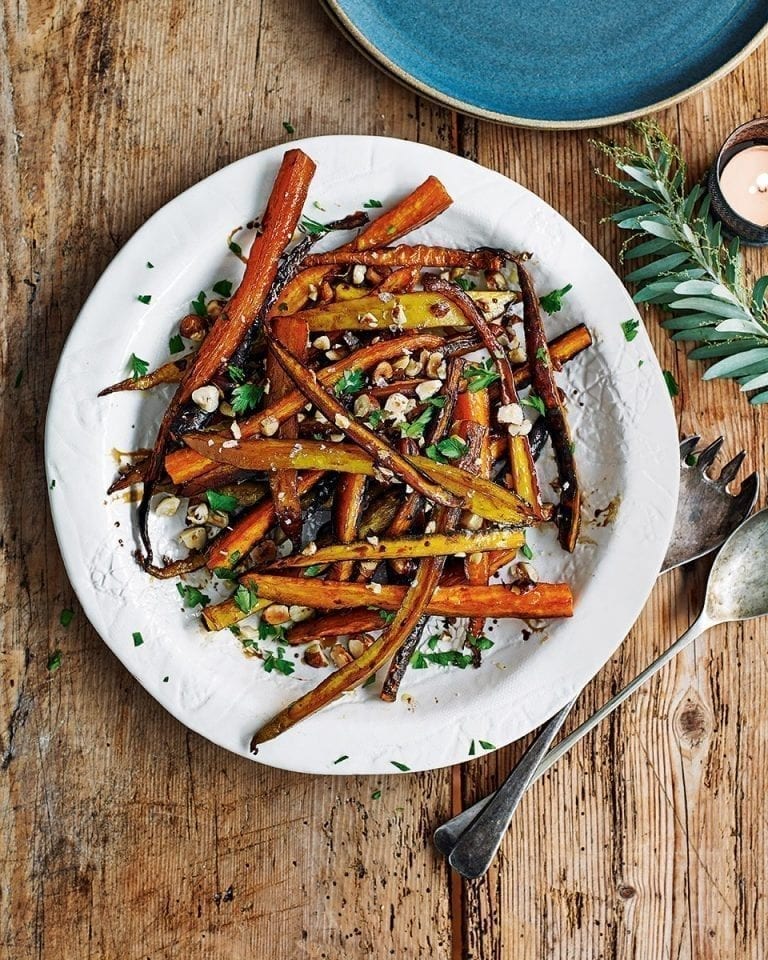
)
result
[(626, 892), (691, 720)]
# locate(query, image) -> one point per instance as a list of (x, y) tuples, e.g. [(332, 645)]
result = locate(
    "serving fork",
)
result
[(706, 515)]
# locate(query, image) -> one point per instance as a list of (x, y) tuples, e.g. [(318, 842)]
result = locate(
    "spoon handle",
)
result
[(700, 625)]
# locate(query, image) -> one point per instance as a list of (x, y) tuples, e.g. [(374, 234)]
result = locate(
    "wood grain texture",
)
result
[(123, 835)]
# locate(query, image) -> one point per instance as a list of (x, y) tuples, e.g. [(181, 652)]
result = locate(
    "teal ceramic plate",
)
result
[(546, 63)]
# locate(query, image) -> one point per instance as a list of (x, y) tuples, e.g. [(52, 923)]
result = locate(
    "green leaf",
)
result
[(534, 401), (759, 398), (753, 383), (450, 658), (223, 502), (552, 302), (707, 305), (341, 759), (450, 448), (223, 288), (690, 321), (150, 266), (276, 661), (246, 598), (246, 396), (630, 328), (66, 617), (632, 213), (144, 298), (137, 366), (465, 283), (657, 228), (54, 661), (672, 386), (373, 204), (350, 382), (288, 126), (314, 570), (758, 295), (486, 745), (198, 306), (419, 661), (479, 643), (311, 227), (656, 267), (376, 795), (472, 749), (175, 344), (649, 248), (416, 428), (236, 374), (737, 365), (235, 248), (479, 376), (400, 766), (191, 596), (370, 681), (526, 551), (725, 349), (137, 639)]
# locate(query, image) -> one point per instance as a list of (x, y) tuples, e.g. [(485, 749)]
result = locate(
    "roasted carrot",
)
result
[(543, 379), (183, 465), (347, 510), (291, 332), (171, 372), (278, 225), (418, 255)]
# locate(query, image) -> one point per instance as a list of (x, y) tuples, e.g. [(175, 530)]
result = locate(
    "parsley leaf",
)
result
[(350, 382), (175, 344), (344, 756), (553, 301), (465, 283), (480, 376), (137, 639), (308, 225), (630, 328), (224, 573), (276, 661), (192, 596), (246, 397), (419, 661), (314, 570), (373, 204), (223, 288), (450, 448), (370, 681), (433, 641), (66, 617), (150, 266), (400, 766), (198, 306), (246, 598), (236, 374), (542, 355), (376, 795), (532, 400), (526, 551), (479, 643), (221, 501), (450, 658), (387, 616), (288, 126), (235, 248), (144, 297), (374, 419), (54, 661), (416, 428), (486, 745), (137, 366), (671, 383), (472, 749)]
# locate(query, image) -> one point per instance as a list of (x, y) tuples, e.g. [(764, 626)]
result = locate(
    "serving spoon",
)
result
[(737, 590)]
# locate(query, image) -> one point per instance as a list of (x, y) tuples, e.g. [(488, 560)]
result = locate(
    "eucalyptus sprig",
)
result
[(691, 272)]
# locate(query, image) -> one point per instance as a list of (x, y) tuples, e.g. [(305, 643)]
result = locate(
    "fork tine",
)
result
[(708, 454), (731, 468), (687, 446), (747, 496)]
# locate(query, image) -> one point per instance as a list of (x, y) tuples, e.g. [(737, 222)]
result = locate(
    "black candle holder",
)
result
[(750, 134)]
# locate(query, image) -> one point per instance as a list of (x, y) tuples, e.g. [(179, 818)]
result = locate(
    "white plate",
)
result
[(626, 447)]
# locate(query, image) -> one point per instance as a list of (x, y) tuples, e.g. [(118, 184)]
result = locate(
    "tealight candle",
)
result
[(738, 183)]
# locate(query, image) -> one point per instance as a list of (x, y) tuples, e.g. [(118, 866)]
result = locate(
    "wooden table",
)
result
[(123, 835)]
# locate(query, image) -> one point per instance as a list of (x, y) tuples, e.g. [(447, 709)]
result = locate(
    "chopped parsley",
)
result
[(387, 616), (553, 301), (288, 126), (350, 382), (198, 306), (691, 460), (137, 639), (310, 226), (166, 679), (236, 374), (449, 658), (246, 396), (416, 428), (54, 661), (137, 366), (671, 383), (374, 419), (66, 617), (373, 204), (465, 283), (314, 570), (400, 766), (221, 501), (246, 598), (526, 551), (486, 745), (318, 206), (19, 378), (479, 376), (191, 596), (433, 641), (630, 328), (376, 795), (235, 248), (341, 759), (419, 661), (144, 298), (535, 401), (370, 681), (175, 344), (224, 573), (276, 661), (150, 266), (542, 355), (450, 448), (479, 643), (472, 749), (223, 288), (52, 484)]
